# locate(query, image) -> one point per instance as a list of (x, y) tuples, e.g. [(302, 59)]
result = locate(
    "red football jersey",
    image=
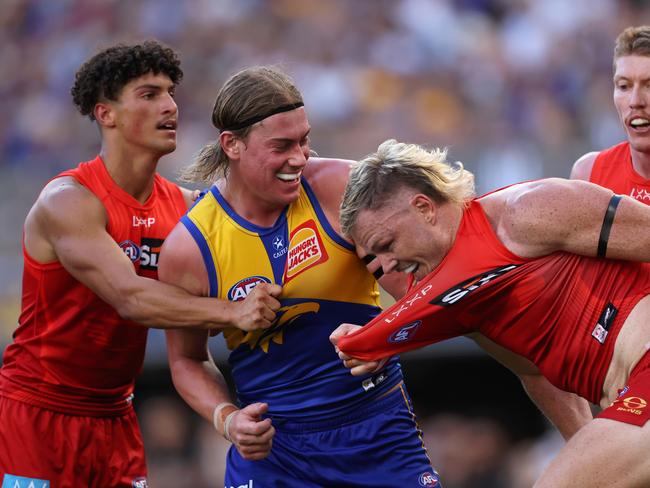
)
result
[(72, 352), (562, 311), (613, 169)]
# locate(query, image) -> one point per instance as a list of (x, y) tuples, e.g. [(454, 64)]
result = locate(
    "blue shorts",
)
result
[(377, 445)]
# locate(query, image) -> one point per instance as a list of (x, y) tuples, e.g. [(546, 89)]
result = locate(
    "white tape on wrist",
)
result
[(217, 411), (226, 425)]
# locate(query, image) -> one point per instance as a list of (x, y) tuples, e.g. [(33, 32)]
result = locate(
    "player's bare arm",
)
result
[(194, 373), (181, 264), (567, 411), (538, 218), (68, 224)]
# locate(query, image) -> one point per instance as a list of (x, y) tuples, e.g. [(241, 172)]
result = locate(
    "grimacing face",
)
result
[(400, 234)]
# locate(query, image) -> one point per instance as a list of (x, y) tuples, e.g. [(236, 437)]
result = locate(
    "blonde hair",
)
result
[(247, 95), (377, 178), (633, 41)]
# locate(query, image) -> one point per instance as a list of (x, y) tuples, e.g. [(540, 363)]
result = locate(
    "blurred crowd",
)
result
[(516, 89)]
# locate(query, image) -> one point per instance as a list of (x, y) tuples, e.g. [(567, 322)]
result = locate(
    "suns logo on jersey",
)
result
[(262, 338), (306, 250), (242, 288)]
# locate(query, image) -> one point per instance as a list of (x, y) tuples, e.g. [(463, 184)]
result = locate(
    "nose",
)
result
[(170, 105), (388, 263), (638, 97), (297, 158)]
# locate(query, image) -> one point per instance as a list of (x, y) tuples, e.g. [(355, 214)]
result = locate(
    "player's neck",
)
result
[(641, 163), (248, 205), (134, 173)]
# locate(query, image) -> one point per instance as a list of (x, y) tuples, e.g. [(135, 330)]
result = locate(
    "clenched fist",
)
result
[(257, 310)]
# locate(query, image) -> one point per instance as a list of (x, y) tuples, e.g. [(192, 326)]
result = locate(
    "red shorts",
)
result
[(631, 406), (69, 451)]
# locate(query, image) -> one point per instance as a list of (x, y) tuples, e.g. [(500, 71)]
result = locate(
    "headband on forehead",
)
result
[(257, 118)]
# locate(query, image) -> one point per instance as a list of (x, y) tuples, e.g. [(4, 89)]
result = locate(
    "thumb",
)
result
[(340, 331), (256, 410), (275, 290)]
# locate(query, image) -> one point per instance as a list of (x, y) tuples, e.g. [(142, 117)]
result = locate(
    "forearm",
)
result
[(567, 411), (156, 304), (200, 384)]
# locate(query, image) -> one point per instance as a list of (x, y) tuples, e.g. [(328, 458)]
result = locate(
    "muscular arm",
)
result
[(68, 224), (538, 218), (194, 373), (567, 411)]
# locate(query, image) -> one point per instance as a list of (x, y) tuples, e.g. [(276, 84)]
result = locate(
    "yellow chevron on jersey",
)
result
[(301, 252)]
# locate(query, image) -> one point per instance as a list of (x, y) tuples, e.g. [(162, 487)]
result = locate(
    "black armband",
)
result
[(607, 225)]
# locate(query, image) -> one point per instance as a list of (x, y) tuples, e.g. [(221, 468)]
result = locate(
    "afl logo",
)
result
[(404, 334), (131, 250), (428, 479), (242, 288)]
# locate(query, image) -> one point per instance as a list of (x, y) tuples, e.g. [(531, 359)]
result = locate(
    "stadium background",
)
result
[(516, 89)]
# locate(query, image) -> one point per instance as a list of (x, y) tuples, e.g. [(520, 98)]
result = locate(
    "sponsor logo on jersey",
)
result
[(634, 405), (12, 481), (429, 479), (306, 250), (405, 333), (640, 194), (248, 484), (374, 381), (147, 253), (150, 252), (461, 290), (131, 249), (278, 245), (144, 221), (139, 483), (604, 322), (242, 288)]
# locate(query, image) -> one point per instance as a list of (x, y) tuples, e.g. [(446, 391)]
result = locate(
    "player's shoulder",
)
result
[(583, 166), (63, 201), (326, 168), (327, 177), (64, 190)]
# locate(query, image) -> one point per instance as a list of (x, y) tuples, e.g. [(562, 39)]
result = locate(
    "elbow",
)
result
[(129, 308)]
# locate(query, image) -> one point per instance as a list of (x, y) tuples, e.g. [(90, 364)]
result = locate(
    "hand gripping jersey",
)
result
[(292, 365), (72, 352), (561, 311), (613, 169)]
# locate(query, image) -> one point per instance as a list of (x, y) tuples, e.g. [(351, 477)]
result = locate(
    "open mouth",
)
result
[(639, 123), (412, 268), (288, 177), (169, 125)]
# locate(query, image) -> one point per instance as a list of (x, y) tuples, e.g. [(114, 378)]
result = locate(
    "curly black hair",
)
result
[(104, 75)]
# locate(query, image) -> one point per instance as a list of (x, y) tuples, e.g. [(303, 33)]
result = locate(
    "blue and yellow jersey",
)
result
[(292, 365)]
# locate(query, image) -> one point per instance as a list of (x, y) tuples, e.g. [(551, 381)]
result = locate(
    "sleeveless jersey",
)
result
[(561, 311), (613, 169), (72, 352), (292, 365)]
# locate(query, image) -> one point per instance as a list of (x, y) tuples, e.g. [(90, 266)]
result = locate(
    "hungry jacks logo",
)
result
[(306, 250)]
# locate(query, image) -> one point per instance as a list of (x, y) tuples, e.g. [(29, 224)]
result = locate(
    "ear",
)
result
[(229, 144), (104, 114), (424, 205)]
